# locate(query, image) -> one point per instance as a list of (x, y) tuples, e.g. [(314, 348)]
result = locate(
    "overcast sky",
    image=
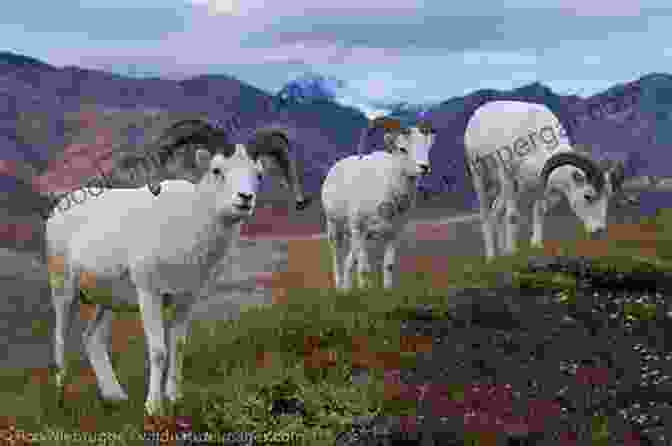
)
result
[(417, 51)]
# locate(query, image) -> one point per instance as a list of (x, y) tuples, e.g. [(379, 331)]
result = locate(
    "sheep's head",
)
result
[(587, 186), (414, 142), (234, 180)]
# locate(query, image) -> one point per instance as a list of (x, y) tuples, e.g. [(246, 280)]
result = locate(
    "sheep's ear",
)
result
[(202, 158)]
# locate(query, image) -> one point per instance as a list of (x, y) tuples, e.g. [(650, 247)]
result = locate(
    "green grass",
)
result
[(225, 391)]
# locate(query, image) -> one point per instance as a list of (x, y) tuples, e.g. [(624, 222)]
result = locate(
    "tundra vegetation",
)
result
[(236, 371)]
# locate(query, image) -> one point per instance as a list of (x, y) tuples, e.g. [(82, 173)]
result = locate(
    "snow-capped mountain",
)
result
[(313, 87)]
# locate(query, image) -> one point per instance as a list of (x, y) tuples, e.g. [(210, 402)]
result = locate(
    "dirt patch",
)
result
[(280, 222), (641, 236), (434, 232)]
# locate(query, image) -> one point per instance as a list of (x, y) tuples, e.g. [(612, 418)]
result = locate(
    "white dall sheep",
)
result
[(367, 198), (518, 148), (157, 250)]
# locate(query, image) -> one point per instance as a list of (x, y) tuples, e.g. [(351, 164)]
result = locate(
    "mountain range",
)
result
[(629, 121)]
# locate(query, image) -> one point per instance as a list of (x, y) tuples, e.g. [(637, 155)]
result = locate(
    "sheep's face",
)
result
[(415, 143), (235, 180), (588, 204)]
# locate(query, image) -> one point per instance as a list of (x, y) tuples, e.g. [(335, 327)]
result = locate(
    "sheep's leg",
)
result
[(500, 233), (390, 262), (509, 227), (95, 340), (152, 320), (177, 339), (336, 236), (512, 227), (64, 302), (538, 214), (487, 224), (364, 260), (352, 258)]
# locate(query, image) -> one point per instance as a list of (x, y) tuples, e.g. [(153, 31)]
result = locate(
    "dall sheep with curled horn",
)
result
[(154, 250), (518, 148)]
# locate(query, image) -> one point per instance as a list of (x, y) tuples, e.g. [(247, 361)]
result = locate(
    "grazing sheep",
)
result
[(516, 149), (367, 197), (156, 249)]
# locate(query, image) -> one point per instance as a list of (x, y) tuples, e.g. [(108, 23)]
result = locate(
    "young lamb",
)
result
[(518, 149), (156, 249), (367, 198)]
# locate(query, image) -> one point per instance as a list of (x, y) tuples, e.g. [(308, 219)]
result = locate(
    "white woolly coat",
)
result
[(521, 134), (355, 189), (168, 242)]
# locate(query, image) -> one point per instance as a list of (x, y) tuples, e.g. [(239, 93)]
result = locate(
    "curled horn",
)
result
[(195, 132), (592, 170), (272, 144), (191, 133)]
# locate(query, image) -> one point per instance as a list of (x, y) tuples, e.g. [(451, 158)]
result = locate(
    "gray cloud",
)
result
[(98, 23), (524, 28)]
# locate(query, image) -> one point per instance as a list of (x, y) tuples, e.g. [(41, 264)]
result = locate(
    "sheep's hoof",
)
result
[(60, 397), (112, 398), (175, 396), (60, 379), (154, 408)]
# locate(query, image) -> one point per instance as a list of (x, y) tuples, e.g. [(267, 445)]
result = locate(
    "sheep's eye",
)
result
[(403, 150), (217, 171), (259, 176), (576, 176)]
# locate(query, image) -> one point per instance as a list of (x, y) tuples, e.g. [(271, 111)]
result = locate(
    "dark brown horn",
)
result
[(194, 132), (273, 142), (592, 170)]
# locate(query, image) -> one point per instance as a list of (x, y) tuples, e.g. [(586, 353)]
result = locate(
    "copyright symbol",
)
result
[(6, 434), (72, 194), (99, 185), (60, 202)]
